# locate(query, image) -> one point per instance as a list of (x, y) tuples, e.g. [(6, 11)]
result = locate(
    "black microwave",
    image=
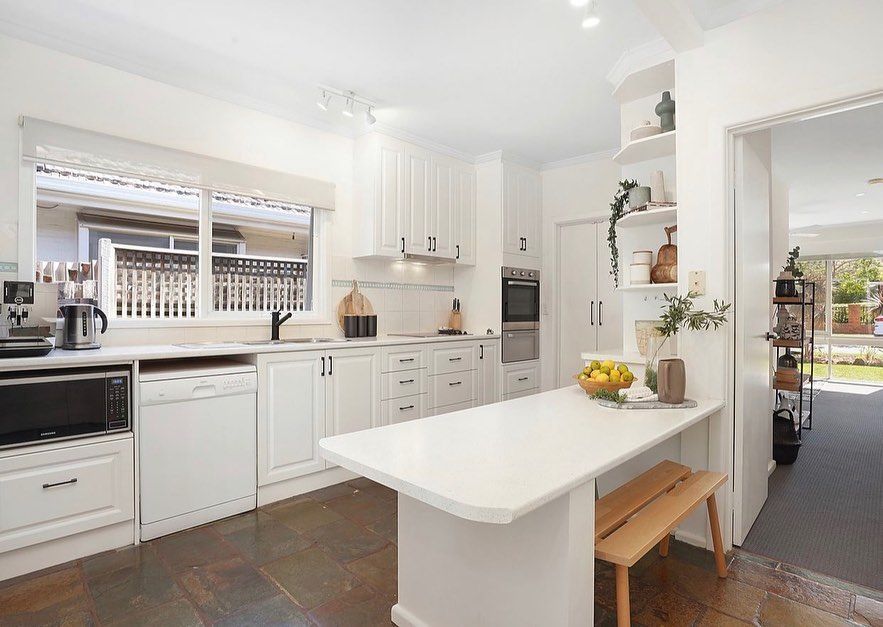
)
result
[(45, 405)]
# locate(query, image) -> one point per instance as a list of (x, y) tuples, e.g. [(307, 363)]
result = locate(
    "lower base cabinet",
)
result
[(489, 374), (395, 410), (521, 379), (51, 494)]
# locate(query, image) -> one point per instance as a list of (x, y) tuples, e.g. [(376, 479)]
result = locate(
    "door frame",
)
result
[(734, 369), (560, 224)]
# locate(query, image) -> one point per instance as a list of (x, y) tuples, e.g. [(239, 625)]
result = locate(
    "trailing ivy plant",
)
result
[(617, 210)]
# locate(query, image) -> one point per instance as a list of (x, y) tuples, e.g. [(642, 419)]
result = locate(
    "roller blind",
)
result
[(59, 144)]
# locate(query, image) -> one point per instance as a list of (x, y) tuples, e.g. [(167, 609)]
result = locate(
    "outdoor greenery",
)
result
[(848, 372), (851, 278), (617, 210)]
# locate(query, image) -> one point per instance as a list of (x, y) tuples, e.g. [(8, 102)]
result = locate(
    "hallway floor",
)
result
[(329, 558), (825, 512)]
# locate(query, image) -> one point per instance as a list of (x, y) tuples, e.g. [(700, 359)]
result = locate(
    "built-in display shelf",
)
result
[(647, 148), (649, 287), (646, 82), (653, 215)]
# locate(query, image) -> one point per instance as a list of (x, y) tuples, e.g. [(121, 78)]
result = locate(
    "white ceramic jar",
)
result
[(639, 274), (642, 257)]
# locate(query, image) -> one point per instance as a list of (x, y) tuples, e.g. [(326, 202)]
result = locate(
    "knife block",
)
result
[(455, 321)]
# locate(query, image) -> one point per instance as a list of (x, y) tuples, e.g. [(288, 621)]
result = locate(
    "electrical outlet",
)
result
[(697, 281)]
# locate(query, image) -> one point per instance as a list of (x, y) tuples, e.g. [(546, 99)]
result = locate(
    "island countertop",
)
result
[(498, 462)]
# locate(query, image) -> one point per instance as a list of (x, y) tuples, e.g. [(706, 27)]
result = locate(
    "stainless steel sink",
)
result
[(296, 340), (201, 345)]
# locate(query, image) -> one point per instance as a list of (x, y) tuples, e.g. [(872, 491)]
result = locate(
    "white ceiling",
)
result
[(826, 162), (713, 13), (477, 76)]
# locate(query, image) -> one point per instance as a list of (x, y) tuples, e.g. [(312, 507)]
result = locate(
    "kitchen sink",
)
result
[(200, 345), (295, 340)]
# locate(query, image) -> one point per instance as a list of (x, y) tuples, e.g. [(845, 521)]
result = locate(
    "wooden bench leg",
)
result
[(663, 545), (623, 613), (719, 559)]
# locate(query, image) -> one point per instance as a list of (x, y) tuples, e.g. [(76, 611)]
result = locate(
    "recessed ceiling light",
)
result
[(864, 213), (860, 194), (579, 3), (591, 19)]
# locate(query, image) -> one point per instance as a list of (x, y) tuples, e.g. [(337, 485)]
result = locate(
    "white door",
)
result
[(512, 242), (418, 194), (442, 208), (577, 297), (489, 384), (609, 299), (352, 390), (753, 395), (291, 415), (390, 198), (464, 245)]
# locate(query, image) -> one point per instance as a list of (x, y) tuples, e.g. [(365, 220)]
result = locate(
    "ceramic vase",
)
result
[(671, 380), (657, 187), (666, 112)]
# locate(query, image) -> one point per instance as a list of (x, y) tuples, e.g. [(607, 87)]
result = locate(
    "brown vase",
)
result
[(671, 381)]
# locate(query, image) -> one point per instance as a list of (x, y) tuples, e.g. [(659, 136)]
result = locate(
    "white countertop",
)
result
[(125, 354), (498, 462)]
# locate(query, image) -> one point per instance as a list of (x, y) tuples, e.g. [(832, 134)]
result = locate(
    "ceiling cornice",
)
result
[(591, 157), (639, 58), (507, 156), (420, 141)]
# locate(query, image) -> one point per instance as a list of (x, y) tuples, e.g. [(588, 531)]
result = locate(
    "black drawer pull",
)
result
[(401, 361), (455, 359), (456, 383), (522, 379), (406, 381), (53, 485), (406, 407)]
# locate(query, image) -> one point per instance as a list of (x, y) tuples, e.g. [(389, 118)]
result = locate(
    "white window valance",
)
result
[(49, 142)]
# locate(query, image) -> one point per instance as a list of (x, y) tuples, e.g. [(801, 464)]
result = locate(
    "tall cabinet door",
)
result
[(442, 229), (390, 224), (464, 217), (418, 175), (352, 390), (529, 214), (291, 415), (512, 242), (489, 372), (609, 313), (577, 288)]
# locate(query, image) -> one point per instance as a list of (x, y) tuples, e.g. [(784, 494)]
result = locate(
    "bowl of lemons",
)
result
[(604, 375)]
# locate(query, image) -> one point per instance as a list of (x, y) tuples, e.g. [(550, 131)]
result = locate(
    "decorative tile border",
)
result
[(8, 266), (392, 285)]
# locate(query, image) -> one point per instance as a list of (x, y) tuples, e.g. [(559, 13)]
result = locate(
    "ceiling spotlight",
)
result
[(860, 194), (579, 3), (369, 117), (322, 103), (591, 19), (348, 109)]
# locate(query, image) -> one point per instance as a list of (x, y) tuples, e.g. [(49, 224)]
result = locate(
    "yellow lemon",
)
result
[(606, 369), (623, 368), (595, 365), (627, 376), (602, 378), (609, 364), (614, 376), (594, 373), (583, 376)]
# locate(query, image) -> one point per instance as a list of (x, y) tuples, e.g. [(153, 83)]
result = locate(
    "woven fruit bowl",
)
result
[(591, 387)]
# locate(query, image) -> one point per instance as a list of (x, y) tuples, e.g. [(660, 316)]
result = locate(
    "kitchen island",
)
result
[(496, 503)]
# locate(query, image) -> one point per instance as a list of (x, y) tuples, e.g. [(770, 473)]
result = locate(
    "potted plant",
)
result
[(786, 285), (668, 378), (617, 210)]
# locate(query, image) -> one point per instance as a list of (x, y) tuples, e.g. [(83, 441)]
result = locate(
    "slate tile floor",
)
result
[(329, 558)]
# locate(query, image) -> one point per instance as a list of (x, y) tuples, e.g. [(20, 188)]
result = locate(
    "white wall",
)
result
[(790, 57), (45, 84)]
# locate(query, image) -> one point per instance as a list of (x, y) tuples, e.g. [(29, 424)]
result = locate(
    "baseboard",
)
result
[(771, 466), (692, 538), (282, 490), (404, 618)]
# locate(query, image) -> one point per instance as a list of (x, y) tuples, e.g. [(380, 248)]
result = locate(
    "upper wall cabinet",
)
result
[(521, 211), (410, 200)]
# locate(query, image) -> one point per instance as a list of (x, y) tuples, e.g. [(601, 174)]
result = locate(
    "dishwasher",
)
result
[(197, 443)]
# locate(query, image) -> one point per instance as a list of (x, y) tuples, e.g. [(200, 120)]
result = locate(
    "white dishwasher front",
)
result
[(197, 444)]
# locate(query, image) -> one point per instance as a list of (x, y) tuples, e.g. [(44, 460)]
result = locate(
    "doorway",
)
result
[(811, 183)]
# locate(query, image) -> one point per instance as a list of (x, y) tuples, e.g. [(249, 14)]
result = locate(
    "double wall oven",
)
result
[(521, 314)]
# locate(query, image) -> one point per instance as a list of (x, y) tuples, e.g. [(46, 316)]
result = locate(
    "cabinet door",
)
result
[(442, 211), (489, 388), (512, 242), (291, 415), (609, 299), (352, 390), (464, 217), (390, 198), (418, 201), (577, 299), (529, 217)]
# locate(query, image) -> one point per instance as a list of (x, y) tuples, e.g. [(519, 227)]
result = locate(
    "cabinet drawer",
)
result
[(456, 357), (404, 383), (507, 397), (520, 378), (404, 409), (438, 411), (48, 495), (397, 358), (454, 387)]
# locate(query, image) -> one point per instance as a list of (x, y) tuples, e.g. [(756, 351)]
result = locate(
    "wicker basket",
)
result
[(591, 386)]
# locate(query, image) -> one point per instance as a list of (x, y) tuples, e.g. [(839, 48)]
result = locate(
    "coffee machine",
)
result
[(79, 331)]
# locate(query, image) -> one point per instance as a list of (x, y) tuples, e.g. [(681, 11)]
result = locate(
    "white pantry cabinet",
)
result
[(409, 200), (522, 215), (489, 386)]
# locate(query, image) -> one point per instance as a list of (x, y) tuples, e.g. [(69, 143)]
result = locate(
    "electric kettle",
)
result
[(79, 331)]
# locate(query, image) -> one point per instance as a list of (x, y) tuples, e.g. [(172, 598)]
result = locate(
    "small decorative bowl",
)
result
[(591, 386)]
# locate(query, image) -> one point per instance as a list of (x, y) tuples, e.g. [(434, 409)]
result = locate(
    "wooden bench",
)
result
[(636, 516)]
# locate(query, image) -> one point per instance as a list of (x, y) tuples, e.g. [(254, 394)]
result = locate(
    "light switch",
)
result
[(697, 281)]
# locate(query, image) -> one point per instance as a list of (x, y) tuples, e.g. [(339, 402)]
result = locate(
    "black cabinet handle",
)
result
[(403, 245), (323, 366), (455, 359), (429, 246), (456, 383), (458, 251), (330, 365), (401, 361), (406, 381), (58, 483), (434, 244), (600, 313), (522, 379), (592, 313), (481, 351), (525, 244), (406, 407)]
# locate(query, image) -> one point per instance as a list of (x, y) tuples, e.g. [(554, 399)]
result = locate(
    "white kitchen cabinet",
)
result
[(522, 215), (61, 492), (352, 390), (410, 200), (521, 377), (488, 360), (291, 414), (403, 409)]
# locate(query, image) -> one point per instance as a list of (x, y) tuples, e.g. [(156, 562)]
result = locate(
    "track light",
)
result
[(591, 19), (348, 109), (369, 117), (323, 102)]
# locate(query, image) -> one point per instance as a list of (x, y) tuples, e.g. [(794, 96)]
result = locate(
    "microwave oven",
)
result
[(46, 405)]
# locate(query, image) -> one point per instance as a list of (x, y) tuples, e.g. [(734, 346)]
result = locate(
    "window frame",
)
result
[(319, 314)]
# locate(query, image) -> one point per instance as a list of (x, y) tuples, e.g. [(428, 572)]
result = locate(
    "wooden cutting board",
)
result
[(354, 304)]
